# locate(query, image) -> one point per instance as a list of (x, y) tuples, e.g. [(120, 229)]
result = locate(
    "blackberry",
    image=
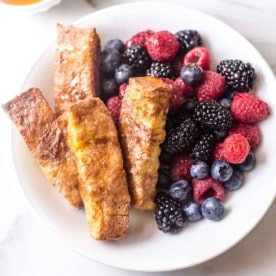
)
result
[(181, 136), (164, 179), (168, 214), (188, 106), (238, 74), (210, 114), (203, 149), (184, 111), (174, 119), (188, 39), (138, 57), (160, 70), (165, 158)]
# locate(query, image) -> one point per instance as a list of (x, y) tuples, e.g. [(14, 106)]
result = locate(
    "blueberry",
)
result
[(199, 169), (212, 209), (123, 73), (235, 180), (221, 170), (109, 88), (110, 60), (116, 44), (181, 190), (192, 211), (229, 94), (220, 134), (191, 73), (225, 102), (249, 163)]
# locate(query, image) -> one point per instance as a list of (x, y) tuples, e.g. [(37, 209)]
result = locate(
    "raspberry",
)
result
[(187, 90), (198, 55), (162, 46), (114, 106), (139, 38), (207, 187), (218, 151), (122, 90), (177, 64), (249, 131), (247, 108), (180, 167), (235, 148), (212, 86), (177, 98)]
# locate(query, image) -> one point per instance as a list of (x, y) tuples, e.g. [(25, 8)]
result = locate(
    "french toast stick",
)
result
[(37, 124), (93, 139), (142, 130), (76, 66)]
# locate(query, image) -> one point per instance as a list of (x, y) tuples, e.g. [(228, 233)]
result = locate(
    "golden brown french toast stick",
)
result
[(142, 130), (76, 66), (36, 122), (93, 139)]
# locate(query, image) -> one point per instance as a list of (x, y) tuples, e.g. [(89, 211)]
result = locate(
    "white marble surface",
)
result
[(26, 246)]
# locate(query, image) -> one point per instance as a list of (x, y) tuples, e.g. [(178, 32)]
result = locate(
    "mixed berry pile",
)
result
[(212, 125)]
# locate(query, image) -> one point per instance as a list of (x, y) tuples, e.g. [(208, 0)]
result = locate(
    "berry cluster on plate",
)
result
[(212, 124)]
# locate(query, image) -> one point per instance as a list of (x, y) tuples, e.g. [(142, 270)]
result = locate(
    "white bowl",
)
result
[(146, 248), (42, 6)]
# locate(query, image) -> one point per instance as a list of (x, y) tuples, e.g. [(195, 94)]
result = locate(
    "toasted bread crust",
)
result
[(36, 122), (93, 139), (142, 130), (76, 66)]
